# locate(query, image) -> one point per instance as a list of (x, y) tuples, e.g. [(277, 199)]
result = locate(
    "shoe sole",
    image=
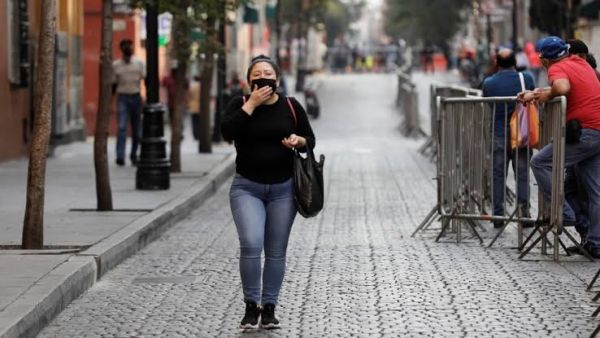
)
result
[(248, 327), (269, 326)]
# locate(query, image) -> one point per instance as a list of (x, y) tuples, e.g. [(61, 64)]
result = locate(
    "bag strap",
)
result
[(522, 80), (289, 102)]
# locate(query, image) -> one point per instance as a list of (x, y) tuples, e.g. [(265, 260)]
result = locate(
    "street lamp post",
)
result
[(568, 28), (488, 30), (153, 166), (303, 25), (515, 27), (487, 7), (221, 76), (278, 32)]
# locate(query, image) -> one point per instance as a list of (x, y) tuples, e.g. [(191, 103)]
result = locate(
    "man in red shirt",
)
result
[(572, 77)]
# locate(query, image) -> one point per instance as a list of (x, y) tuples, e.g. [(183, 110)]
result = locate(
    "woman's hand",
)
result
[(294, 141), (257, 98)]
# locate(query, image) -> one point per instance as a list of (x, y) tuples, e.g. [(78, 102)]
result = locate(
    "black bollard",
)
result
[(153, 167), (300, 79)]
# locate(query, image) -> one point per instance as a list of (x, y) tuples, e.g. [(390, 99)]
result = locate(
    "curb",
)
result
[(48, 297), (73, 277)]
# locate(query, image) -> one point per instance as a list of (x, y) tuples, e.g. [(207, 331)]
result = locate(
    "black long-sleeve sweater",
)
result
[(261, 157)]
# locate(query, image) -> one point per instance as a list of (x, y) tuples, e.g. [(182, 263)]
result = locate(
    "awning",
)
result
[(271, 12), (250, 14)]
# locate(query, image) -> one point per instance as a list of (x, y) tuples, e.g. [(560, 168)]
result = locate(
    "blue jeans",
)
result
[(263, 215), (585, 154), (503, 154), (129, 107)]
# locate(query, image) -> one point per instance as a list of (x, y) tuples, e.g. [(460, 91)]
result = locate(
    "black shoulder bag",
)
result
[(308, 178)]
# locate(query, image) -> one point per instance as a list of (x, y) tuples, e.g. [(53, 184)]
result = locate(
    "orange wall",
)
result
[(14, 113), (15, 119), (91, 59)]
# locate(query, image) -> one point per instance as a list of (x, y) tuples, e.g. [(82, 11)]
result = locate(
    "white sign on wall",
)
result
[(119, 25)]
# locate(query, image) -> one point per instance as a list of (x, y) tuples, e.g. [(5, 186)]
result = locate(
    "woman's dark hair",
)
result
[(263, 58), (577, 46), (591, 60)]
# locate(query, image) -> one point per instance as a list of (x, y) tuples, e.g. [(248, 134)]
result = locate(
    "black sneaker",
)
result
[(250, 320), (498, 224), (575, 250), (527, 224), (594, 252), (267, 317), (583, 237), (120, 162)]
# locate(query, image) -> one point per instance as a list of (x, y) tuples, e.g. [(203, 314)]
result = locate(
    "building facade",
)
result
[(17, 74)]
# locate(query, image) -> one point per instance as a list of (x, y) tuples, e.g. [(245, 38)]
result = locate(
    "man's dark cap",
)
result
[(552, 48)]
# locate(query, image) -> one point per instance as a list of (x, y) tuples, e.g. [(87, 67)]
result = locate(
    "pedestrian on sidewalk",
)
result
[(265, 127), (507, 82), (128, 73), (573, 77), (535, 66), (194, 106), (169, 83), (428, 53)]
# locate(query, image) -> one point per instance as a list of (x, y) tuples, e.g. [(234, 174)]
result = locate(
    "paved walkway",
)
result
[(353, 271), (81, 242)]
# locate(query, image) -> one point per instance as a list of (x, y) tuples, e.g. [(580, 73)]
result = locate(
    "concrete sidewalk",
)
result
[(83, 244)]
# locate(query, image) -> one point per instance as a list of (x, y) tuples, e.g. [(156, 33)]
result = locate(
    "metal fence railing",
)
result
[(472, 157), (444, 90)]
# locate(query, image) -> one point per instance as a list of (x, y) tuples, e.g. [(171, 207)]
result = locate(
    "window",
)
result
[(18, 47)]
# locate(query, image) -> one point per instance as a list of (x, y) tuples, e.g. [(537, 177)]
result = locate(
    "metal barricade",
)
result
[(409, 106), (407, 100), (403, 78), (551, 212), (472, 167), (444, 90)]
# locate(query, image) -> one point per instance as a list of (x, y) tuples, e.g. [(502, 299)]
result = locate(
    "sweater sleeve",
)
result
[(234, 119), (303, 127)]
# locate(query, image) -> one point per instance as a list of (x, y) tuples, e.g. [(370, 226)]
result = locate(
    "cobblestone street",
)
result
[(353, 271)]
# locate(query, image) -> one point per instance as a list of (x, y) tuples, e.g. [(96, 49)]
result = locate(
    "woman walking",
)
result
[(265, 127)]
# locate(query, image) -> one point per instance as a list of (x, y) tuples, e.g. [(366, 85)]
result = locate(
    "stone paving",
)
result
[(353, 271)]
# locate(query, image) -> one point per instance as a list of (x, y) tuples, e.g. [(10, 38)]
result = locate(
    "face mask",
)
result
[(265, 82), (127, 51)]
